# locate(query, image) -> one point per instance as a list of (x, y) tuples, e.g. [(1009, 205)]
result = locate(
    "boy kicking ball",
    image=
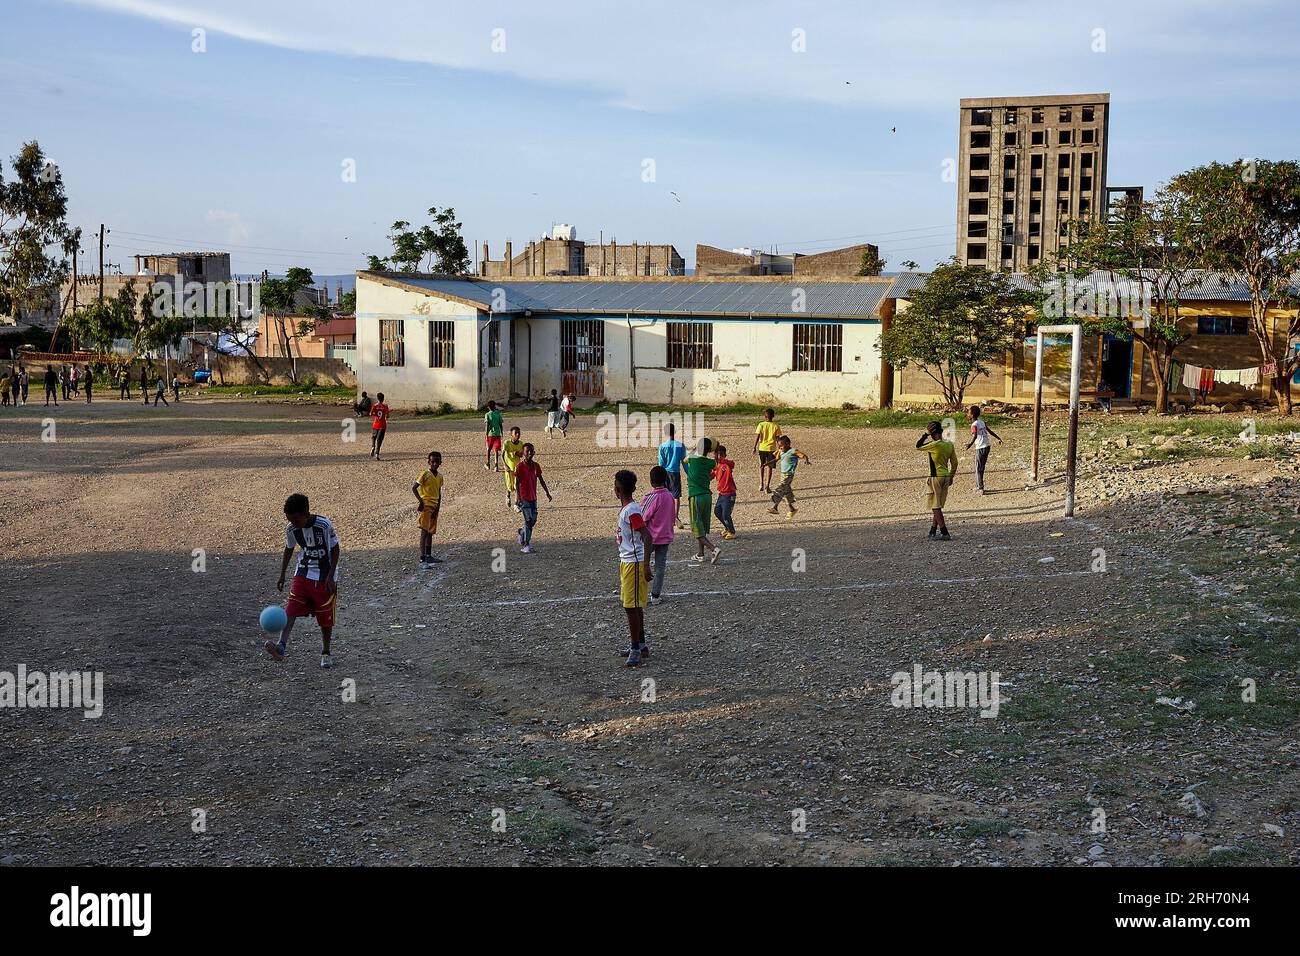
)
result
[(635, 546), (428, 492), (314, 589)]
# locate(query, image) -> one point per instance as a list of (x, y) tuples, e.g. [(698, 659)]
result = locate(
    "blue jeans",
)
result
[(529, 510), (661, 566), (722, 510)]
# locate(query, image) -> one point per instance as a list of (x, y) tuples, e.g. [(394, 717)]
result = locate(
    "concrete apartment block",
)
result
[(1027, 167), (712, 261)]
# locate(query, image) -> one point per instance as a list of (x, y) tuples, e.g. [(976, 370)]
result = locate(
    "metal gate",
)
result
[(582, 358)]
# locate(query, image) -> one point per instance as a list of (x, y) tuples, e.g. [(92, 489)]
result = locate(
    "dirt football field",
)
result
[(479, 712)]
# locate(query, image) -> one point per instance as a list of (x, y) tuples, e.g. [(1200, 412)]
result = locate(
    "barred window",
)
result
[(391, 348), (818, 348), (494, 343), (442, 345), (690, 345)]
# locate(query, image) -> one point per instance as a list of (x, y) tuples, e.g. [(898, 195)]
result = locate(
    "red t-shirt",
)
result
[(379, 414), (526, 473), (722, 472)]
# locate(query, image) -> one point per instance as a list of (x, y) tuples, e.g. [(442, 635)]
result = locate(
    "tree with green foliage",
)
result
[(100, 323), (1248, 225), (437, 248), (1147, 256), (33, 220), (872, 264), (962, 319)]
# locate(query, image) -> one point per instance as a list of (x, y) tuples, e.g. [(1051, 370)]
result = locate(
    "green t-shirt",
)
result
[(699, 472), (495, 424)]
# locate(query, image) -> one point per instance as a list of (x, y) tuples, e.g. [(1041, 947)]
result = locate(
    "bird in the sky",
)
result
[(674, 195), (893, 129)]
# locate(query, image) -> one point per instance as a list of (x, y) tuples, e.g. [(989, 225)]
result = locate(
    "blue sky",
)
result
[(241, 147)]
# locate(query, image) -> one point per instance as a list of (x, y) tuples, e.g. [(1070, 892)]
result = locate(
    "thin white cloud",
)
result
[(857, 54)]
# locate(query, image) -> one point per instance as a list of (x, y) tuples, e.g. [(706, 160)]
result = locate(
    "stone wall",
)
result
[(242, 370)]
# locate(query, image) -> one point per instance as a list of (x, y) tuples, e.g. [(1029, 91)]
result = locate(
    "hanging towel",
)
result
[(1250, 377), (1228, 376), (1269, 370), (1192, 375), (1206, 384), (1175, 375)]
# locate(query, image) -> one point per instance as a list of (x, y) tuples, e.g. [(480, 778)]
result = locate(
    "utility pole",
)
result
[(101, 262)]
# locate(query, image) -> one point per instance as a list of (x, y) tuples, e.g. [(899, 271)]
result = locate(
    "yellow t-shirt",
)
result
[(943, 458), (768, 433), (430, 487), (514, 453)]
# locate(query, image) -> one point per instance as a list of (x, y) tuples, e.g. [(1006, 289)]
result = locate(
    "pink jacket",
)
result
[(659, 510)]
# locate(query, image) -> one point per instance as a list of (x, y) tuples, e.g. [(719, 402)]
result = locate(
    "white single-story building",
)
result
[(673, 340)]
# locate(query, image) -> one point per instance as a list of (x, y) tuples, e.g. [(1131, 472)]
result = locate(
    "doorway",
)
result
[(1117, 365)]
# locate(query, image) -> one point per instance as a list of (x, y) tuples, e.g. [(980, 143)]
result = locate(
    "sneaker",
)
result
[(645, 652), (944, 535), (655, 600), (634, 657), (934, 532), (326, 661), (714, 555), (274, 649), (526, 549), (697, 559)]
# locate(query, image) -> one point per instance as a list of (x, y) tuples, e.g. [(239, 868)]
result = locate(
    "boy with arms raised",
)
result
[(787, 461), (428, 492), (314, 589), (634, 548)]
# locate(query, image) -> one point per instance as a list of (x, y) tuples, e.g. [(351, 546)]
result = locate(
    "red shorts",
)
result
[(308, 597), (494, 443)]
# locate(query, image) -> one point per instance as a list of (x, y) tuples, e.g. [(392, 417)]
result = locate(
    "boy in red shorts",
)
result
[(315, 580)]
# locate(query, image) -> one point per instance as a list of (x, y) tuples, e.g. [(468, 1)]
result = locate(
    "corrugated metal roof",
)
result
[(821, 298), (1201, 286)]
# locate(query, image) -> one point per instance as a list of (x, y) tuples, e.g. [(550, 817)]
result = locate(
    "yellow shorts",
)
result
[(429, 520), (938, 492), (633, 587)]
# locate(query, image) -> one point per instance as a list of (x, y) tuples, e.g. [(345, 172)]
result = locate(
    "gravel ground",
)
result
[(761, 731)]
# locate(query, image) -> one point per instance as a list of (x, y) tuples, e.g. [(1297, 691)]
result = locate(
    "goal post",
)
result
[(1072, 441)]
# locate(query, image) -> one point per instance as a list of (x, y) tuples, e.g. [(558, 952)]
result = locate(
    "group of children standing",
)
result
[(645, 529)]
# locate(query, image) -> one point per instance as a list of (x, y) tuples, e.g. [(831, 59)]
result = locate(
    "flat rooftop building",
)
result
[(1028, 166)]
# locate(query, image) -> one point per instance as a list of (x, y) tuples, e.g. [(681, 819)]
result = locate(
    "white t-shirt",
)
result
[(631, 547), (981, 433), (565, 405), (316, 540)]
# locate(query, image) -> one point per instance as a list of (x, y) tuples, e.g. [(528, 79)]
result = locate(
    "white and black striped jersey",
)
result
[(314, 542)]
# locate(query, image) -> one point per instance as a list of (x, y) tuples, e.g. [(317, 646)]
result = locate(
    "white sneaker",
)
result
[(526, 549), (326, 661), (655, 600), (714, 555), (697, 559)]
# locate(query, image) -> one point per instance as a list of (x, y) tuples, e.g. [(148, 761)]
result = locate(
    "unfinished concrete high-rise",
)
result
[(1028, 166)]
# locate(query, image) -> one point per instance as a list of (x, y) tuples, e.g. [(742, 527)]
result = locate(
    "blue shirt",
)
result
[(789, 461), (671, 455)]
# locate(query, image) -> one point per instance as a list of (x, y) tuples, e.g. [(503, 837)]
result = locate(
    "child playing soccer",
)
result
[(634, 547), (765, 436), (566, 413), (527, 475), (943, 468), (493, 425), (724, 472), (699, 472), (314, 589), (980, 432), (671, 455), (513, 451), (787, 460), (659, 509), (378, 425), (428, 492)]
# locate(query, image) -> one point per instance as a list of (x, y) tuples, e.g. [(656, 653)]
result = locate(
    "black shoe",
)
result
[(934, 532), (945, 536)]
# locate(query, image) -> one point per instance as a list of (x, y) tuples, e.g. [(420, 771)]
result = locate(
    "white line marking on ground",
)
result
[(744, 592)]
